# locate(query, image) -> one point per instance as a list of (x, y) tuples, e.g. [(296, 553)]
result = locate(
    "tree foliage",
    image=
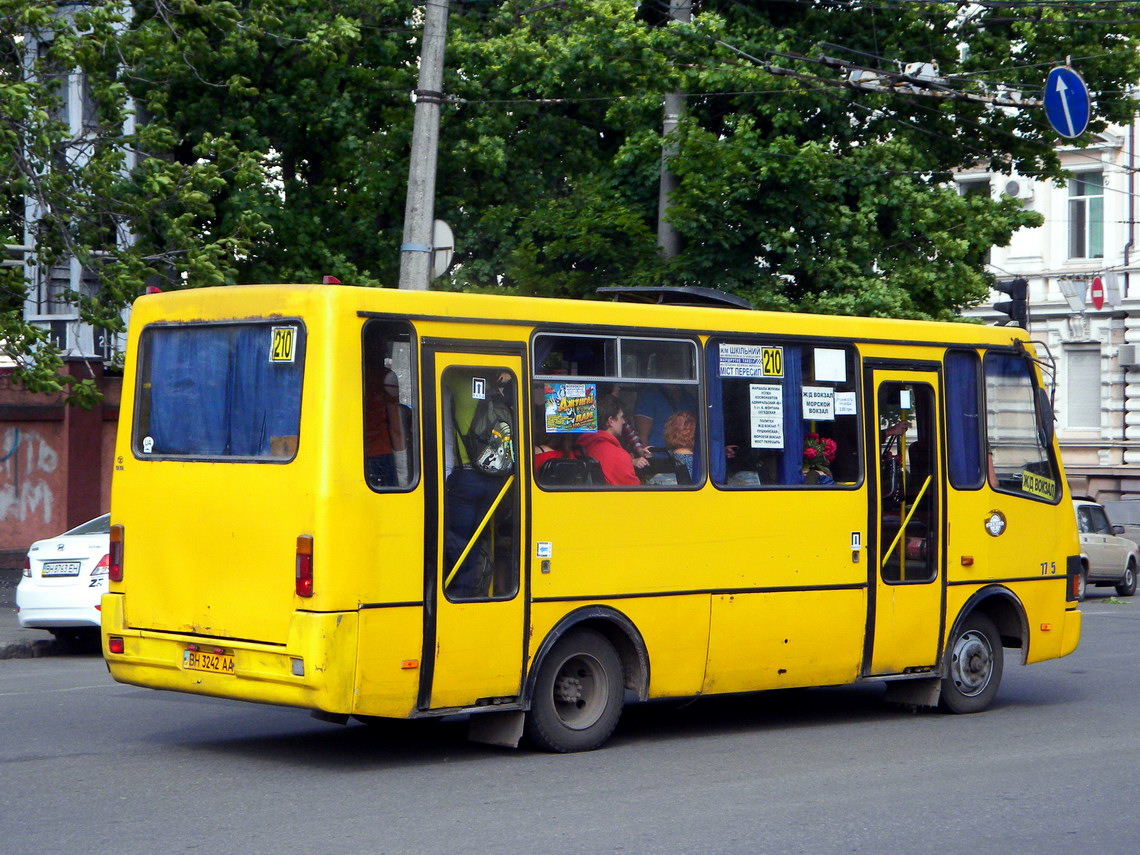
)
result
[(273, 144)]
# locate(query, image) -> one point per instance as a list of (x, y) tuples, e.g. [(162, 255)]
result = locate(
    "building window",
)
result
[(1086, 215), (1083, 388), (974, 187)]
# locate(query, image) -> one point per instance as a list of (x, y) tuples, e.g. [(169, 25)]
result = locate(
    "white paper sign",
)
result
[(845, 404), (830, 365), (819, 403), (766, 411), (740, 360)]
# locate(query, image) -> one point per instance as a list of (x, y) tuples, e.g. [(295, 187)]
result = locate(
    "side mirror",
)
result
[(1118, 529), (1045, 414)]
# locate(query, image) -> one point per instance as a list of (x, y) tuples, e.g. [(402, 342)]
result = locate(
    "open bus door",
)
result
[(475, 620), (907, 571)]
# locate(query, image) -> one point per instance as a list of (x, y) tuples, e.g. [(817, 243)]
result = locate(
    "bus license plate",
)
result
[(60, 568), (215, 663)]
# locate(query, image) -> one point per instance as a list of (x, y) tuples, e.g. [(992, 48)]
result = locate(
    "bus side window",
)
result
[(1022, 462), (388, 403), (782, 415)]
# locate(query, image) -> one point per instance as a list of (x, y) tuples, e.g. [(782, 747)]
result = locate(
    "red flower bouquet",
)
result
[(819, 452)]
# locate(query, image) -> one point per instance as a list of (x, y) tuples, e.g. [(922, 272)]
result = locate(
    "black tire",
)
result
[(578, 695), (1126, 587), (972, 666)]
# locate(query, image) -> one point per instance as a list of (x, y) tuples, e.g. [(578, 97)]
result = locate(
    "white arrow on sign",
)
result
[(1062, 90)]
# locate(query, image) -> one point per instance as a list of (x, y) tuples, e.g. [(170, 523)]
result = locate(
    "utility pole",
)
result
[(419, 212), (668, 241)]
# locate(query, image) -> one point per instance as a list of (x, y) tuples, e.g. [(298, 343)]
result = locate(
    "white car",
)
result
[(1106, 559), (64, 579)]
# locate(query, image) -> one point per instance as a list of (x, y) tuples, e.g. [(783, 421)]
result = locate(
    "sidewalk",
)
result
[(15, 641)]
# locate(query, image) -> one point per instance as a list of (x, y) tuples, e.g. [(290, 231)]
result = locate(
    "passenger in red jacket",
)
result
[(605, 445)]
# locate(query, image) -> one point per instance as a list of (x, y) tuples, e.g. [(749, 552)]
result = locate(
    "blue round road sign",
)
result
[(1067, 103)]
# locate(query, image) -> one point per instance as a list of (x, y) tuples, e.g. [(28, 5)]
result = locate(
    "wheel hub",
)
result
[(568, 690), (972, 663)]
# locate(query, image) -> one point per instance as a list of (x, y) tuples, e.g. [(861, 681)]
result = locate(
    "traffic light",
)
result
[(1017, 306)]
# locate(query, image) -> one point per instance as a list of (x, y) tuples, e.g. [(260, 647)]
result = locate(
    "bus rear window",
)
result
[(220, 391)]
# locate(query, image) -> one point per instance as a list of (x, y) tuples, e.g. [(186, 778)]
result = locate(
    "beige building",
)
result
[(1084, 303)]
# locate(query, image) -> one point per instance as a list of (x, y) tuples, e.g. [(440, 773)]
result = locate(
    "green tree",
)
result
[(274, 144)]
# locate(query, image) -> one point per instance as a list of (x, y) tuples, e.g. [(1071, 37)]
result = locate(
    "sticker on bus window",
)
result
[(570, 407), (1038, 485), (283, 344)]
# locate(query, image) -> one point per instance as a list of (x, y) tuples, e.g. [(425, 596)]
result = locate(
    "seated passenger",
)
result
[(681, 437), (605, 445), (551, 446)]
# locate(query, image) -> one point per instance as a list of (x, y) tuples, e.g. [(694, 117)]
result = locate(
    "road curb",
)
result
[(31, 649)]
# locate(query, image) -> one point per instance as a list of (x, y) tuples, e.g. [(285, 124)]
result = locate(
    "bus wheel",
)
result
[(1127, 585), (973, 666), (578, 694)]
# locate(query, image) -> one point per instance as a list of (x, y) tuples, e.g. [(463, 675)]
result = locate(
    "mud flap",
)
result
[(914, 693), (499, 728)]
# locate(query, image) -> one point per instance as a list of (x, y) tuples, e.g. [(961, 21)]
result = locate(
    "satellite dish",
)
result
[(442, 248)]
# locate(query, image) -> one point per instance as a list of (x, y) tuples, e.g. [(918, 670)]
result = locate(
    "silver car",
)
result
[(1106, 558)]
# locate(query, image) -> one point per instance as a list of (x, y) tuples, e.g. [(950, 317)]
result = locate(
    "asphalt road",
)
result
[(89, 766)]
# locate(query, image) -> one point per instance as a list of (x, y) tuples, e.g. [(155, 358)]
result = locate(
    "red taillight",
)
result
[(115, 644), (27, 567), (103, 567), (304, 565), (115, 557)]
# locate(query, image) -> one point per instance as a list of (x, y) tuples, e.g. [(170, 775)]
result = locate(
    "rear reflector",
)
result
[(115, 644), (115, 557), (304, 586)]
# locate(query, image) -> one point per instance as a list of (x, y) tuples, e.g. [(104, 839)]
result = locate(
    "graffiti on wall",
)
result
[(25, 458)]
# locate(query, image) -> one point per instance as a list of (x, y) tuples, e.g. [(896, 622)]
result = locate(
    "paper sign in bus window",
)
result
[(766, 413), (830, 365), (819, 403), (570, 407), (845, 404), (747, 360)]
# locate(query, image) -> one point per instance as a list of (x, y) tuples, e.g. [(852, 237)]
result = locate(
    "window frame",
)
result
[(144, 374), (412, 441), (1083, 225), (854, 368), (1038, 428), (620, 377)]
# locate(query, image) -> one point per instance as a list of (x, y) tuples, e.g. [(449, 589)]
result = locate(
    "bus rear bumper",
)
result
[(313, 669), (1071, 634)]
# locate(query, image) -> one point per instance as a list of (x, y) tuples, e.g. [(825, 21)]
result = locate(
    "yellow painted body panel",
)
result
[(712, 580), (389, 658), (785, 640)]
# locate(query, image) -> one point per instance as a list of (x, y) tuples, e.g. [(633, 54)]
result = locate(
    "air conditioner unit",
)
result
[(1128, 356), (1018, 188)]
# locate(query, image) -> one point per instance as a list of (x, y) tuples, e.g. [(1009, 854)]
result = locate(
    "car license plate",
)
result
[(60, 568), (200, 660)]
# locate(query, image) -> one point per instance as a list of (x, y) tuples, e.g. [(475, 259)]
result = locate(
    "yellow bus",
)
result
[(374, 503)]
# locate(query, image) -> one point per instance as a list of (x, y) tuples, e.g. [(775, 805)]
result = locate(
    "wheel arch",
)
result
[(1004, 608), (616, 628)]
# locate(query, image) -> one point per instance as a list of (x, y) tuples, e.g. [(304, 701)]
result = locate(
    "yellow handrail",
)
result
[(905, 523), (479, 530)]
